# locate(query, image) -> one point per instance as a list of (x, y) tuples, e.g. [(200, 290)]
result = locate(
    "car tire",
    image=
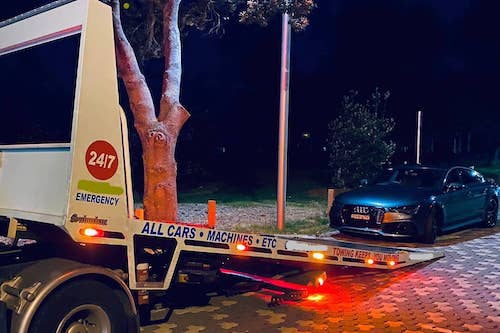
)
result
[(491, 213), (430, 228), (81, 305)]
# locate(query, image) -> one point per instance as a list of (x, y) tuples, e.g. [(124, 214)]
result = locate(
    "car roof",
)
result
[(419, 166), (430, 167)]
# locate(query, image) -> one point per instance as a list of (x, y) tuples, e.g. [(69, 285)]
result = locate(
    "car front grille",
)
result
[(362, 216)]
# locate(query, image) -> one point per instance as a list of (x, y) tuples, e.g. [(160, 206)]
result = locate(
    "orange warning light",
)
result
[(370, 261), (241, 247), (91, 232), (318, 255), (391, 263)]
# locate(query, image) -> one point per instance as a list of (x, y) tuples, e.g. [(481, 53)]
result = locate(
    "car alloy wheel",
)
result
[(430, 228), (491, 213)]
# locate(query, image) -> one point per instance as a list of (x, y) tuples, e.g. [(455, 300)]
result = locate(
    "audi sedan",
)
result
[(418, 202)]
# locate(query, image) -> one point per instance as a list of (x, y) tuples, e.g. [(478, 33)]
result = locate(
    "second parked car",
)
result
[(417, 201)]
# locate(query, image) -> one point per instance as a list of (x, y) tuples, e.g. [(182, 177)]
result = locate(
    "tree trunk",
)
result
[(160, 173), (158, 134)]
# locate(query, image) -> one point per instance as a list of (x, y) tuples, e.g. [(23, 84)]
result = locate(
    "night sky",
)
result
[(439, 56)]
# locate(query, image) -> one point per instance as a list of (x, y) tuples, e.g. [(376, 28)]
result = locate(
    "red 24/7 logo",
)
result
[(101, 160)]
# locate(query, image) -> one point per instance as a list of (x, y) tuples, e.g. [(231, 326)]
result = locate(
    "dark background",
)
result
[(438, 56)]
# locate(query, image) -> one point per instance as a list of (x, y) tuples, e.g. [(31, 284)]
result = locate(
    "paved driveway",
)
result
[(458, 293)]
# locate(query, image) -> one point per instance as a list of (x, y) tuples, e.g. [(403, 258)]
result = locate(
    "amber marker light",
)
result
[(241, 247), (391, 263), (318, 255), (91, 232), (370, 261)]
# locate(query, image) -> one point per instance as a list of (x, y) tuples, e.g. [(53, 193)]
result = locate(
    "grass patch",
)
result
[(313, 226), (225, 194), (298, 192), (248, 203), (302, 187)]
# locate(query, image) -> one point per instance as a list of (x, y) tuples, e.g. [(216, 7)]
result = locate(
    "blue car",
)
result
[(418, 202)]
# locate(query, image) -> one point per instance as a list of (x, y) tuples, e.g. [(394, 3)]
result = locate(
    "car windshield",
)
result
[(411, 177)]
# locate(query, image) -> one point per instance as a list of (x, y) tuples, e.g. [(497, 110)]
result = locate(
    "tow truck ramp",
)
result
[(184, 240)]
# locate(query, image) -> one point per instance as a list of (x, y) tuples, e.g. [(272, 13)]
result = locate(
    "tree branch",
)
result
[(141, 102), (172, 50), (171, 111)]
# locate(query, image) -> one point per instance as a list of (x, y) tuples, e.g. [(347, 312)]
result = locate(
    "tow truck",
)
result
[(77, 259)]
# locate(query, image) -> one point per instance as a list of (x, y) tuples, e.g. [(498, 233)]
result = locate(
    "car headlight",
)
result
[(400, 213)]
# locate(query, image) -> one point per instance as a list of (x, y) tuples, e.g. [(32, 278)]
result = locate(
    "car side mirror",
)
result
[(454, 187)]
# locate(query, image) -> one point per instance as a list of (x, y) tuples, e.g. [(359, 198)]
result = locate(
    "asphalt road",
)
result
[(458, 293)]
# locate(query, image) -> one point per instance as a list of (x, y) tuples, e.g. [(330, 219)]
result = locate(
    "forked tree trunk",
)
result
[(158, 135)]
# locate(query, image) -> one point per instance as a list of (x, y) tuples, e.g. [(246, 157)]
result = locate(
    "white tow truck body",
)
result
[(74, 192)]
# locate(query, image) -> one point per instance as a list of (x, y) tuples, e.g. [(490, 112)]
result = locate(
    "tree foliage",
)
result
[(143, 18), (358, 138)]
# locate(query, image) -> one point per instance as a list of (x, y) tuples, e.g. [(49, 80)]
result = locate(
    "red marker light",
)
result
[(241, 247), (370, 261), (91, 232), (391, 263)]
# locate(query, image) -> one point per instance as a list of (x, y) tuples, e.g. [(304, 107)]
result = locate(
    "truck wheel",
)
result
[(84, 306)]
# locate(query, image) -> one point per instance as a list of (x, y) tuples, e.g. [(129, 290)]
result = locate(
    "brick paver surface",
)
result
[(458, 293)]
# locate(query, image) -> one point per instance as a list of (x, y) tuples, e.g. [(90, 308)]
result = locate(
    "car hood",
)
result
[(390, 195)]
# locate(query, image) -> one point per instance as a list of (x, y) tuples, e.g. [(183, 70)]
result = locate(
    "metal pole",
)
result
[(283, 120), (419, 138)]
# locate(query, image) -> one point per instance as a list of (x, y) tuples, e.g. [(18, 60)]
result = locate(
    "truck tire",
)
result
[(82, 306)]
